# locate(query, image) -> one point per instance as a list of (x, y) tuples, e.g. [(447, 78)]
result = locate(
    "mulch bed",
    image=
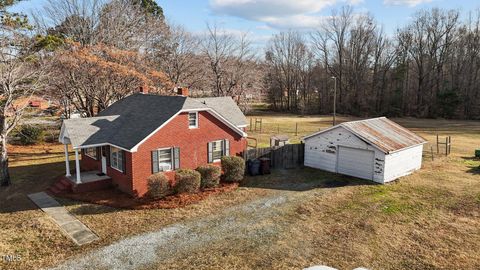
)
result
[(115, 198)]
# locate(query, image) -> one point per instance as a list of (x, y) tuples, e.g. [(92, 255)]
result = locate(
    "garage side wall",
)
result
[(403, 163), (321, 151)]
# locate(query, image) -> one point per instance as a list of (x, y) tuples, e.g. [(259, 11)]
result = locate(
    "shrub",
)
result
[(210, 176), (30, 135), (158, 186), (187, 181), (233, 168)]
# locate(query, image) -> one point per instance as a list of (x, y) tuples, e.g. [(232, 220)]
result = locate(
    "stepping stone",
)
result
[(70, 225)]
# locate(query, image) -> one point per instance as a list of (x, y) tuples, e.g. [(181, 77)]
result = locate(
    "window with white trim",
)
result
[(91, 152), (165, 157), (193, 119), (217, 150), (116, 158)]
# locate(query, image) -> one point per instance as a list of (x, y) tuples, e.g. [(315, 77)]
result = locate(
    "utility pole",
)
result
[(334, 99)]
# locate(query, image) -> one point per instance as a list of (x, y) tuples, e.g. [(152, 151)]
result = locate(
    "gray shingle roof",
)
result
[(128, 121), (227, 107)]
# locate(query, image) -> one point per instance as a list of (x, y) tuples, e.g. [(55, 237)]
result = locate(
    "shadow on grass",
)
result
[(473, 164), (302, 179), (25, 180), (89, 208), (97, 202), (474, 170)]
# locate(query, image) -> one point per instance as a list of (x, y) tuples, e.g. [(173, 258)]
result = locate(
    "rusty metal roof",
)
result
[(383, 133)]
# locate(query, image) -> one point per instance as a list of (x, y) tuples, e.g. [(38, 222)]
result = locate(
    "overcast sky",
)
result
[(261, 18)]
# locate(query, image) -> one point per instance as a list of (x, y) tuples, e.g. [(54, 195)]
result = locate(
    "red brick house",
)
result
[(143, 134)]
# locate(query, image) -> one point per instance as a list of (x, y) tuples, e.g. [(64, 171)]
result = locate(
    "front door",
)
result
[(104, 161)]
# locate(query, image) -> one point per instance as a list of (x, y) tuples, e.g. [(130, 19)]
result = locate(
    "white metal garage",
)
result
[(376, 149)]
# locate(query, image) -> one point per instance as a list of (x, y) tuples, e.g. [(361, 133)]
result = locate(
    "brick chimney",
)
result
[(143, 89), (182, 91), (236, 98)]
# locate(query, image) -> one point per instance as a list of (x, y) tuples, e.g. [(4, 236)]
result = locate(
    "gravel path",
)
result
[(253, 221)]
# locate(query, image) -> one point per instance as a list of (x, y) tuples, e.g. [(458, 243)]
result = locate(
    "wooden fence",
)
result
[(283, 157)]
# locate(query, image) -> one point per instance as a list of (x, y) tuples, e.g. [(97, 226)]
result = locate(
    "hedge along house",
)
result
[(143, 134), (376, 149)]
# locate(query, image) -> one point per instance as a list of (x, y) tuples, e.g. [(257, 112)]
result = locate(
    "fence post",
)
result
[(438, 150), (449, 145), (296, 128), (446, 146), (278, 128), (431, 151)]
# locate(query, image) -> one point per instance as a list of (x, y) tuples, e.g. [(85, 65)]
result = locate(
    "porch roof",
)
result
[(88, 131)]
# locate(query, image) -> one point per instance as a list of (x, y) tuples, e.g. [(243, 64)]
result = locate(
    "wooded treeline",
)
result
[(103, 50), (430, 67)]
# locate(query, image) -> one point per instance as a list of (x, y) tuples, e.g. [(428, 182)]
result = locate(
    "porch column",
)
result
[(67, 161), (77, 167)]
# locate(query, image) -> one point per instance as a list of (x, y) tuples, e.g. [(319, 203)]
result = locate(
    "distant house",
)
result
[(376, 149), (144, 134)]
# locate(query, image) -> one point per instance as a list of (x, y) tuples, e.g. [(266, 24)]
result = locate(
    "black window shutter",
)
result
[(210, 152), (176, 158), (226, 147), (155, 161), (99, 153), (124, 160), (107, 155)]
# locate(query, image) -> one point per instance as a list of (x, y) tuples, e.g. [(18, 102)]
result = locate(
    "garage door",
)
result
[(355, 162)]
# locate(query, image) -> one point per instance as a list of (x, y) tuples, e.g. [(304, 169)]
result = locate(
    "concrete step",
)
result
[(54, 190), (59, 185), (66, 182)]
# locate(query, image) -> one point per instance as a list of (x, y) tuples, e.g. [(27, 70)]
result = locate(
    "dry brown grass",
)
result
[(28, 232), (429, 220)]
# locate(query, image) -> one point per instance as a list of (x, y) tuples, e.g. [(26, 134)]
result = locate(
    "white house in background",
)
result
[(376, 149)]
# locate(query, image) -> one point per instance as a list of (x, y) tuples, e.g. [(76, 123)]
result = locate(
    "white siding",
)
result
[(355, 162), (403, 163), (321, 151)]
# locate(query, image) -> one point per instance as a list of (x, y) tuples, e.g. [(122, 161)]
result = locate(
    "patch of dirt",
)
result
[(118, 199)]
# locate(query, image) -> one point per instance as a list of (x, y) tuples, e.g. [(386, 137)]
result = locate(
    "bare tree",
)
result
[(427, 41), (20, 77), (228, 57), (291, 63), (177, 54), (119, 23)]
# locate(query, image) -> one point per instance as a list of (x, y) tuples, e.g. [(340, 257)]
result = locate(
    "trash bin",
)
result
[(254, 167), (265, 165)]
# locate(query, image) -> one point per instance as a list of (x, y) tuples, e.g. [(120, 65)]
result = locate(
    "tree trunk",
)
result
[(4, 173)]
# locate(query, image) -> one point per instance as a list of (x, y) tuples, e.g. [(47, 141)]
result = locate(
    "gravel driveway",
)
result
[(255, 221)]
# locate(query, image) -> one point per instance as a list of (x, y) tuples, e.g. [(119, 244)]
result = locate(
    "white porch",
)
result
[(77, 179), (88, 177)]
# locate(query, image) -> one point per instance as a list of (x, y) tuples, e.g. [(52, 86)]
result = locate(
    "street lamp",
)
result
[(334, 98)]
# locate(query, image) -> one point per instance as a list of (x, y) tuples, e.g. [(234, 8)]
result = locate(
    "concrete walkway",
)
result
[(70, 225)]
